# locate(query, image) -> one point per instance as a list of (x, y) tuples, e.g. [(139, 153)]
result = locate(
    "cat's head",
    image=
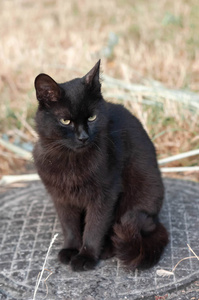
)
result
[(72, 113)]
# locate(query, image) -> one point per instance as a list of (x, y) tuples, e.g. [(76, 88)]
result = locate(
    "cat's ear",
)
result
[(47, 90), (92, 77)]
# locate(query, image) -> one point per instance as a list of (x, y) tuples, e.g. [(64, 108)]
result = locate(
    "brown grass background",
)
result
[(157, 41)]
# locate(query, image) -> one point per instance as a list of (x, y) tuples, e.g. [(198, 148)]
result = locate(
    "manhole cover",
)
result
[(28, 223)]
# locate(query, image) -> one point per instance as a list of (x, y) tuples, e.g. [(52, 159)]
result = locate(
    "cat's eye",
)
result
[(65, 121), (92, 118)]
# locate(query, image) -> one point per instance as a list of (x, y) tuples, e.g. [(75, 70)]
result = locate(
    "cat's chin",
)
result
[(80, 148)]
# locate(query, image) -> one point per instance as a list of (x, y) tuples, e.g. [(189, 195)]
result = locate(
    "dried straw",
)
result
[(43, 268), (178, 156), (163, 273)]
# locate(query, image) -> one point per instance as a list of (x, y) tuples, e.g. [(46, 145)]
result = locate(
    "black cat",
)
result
[(99, 165)]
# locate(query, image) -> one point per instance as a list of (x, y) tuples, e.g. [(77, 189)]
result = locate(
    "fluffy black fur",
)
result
[(101, 172)]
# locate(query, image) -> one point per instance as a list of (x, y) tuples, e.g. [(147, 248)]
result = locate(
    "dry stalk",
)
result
[(45, 280), (193, 251), (17, 150), (179, 169), (163, 272), (178, 156), (43, 268)]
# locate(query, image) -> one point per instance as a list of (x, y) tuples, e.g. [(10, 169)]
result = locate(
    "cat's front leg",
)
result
[(97, 223), (70, 219)]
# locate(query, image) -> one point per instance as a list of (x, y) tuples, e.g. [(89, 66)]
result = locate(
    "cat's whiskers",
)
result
[(109, 139), (53, 146), (115, 131), (100, 150)]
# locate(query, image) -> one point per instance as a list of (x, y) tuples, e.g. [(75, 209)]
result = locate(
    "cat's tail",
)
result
[(139, 240)]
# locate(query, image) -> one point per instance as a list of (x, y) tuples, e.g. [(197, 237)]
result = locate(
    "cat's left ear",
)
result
[(92, 77), (47, 90)]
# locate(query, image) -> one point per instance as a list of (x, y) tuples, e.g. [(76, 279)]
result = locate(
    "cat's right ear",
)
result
[(47, 90), (92, 77)]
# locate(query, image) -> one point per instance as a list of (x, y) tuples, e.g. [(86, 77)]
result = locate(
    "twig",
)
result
[(17, 150), (128, 97), (43, 268), (45, 280), (178, 156), (21, 134), (7, 179), (185, 258), (193, 252), (7, 154), (179, 169), (29, 128), (26, 125), (163, 272), (195, 256), (189, 98)]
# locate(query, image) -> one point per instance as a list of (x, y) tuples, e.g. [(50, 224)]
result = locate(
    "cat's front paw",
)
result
[(83, 263), (65, 255)]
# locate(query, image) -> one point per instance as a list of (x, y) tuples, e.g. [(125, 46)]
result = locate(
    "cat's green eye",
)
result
[(92, 118), (65, 121)]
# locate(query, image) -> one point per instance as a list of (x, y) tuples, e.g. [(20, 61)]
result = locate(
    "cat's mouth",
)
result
[(81, 146), (77, 146)]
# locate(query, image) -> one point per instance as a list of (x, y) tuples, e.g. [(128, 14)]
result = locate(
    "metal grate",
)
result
[(28, 223)]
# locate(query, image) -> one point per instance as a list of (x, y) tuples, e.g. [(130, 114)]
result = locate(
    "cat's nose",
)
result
[(83, 137), (83, 140)]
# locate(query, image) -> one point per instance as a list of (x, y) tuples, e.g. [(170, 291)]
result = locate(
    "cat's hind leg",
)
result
[(139, 240)]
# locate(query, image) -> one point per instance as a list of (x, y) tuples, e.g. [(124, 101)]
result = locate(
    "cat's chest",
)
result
[(74, 177), (75, 185), (70, 176), (68, 173)]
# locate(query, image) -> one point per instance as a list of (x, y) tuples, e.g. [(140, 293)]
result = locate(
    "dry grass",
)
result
[(157, 40), (43, 269), (162, 272)]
